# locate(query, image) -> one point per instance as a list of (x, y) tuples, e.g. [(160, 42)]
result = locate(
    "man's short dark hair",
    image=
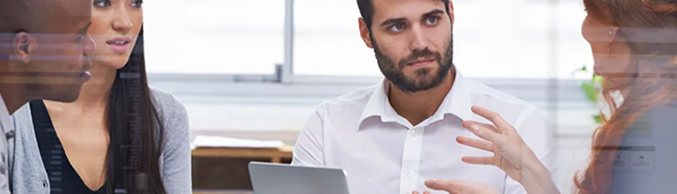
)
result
[(367, 10)]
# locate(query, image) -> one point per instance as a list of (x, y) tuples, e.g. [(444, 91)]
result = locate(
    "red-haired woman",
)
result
[(634, 45)]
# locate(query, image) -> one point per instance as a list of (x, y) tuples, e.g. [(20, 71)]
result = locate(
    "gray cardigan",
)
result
[(28, 175)]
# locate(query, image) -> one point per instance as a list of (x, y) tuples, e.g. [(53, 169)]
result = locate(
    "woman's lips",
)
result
[(119, 45)]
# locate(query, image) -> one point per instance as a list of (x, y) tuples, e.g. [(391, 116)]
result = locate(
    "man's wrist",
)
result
[(536, 178), (535, 170)]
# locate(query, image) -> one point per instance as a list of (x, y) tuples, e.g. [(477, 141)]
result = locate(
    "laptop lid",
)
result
[(269, 178)]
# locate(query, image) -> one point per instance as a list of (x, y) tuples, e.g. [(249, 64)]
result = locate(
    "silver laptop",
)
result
[(268, 178)]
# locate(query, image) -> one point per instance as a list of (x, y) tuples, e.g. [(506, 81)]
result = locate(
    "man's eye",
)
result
[(397, 27), (431, 20)]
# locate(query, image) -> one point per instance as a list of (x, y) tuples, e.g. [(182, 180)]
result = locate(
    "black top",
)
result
[(62, 176), (646, 161)]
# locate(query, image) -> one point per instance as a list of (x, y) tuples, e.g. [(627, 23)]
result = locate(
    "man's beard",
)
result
[(422, 79)]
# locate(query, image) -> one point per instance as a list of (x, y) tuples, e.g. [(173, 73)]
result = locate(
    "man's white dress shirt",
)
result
[(6, 125), (383, 153)]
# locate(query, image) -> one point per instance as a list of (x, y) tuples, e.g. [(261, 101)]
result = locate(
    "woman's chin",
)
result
[(617, 83), (113, 62), (118, 62)]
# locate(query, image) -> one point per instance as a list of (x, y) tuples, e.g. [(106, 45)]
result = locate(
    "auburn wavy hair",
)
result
[(649, 29)]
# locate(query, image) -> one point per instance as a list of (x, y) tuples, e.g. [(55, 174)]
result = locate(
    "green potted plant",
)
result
[(592, 90)]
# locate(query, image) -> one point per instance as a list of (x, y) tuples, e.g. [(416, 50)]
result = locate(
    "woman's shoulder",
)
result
[(656, 121), (662, 114), (647, 145), (171, 112), (173, 119), (165, 103)]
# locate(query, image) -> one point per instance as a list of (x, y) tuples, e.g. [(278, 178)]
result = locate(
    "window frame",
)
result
[(562, 93)]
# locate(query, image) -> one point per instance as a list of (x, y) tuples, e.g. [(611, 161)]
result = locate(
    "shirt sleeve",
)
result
[(176, 169), (309, 149), (537, 133)]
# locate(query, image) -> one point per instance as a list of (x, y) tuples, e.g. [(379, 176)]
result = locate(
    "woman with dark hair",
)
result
[(120, 136), (634, 45)]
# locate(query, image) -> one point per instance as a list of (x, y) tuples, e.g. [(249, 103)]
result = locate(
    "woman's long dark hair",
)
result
[(135, 130)]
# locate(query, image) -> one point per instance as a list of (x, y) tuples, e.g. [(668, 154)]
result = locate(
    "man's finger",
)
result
[(492, 116), (480, 160), (476, 143), (485, 133), (460, 187), (444, 185), (468, 124), (424, 192)]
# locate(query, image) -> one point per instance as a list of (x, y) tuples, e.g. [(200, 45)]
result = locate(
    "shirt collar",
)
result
[(379, 104), (457, 102), (5, 120)]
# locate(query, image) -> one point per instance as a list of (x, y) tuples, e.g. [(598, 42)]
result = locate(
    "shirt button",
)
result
[(411, 174)]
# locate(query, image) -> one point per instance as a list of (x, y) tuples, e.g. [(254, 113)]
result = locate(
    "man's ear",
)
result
[(23, 45), (364, 33), (451, 12)]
